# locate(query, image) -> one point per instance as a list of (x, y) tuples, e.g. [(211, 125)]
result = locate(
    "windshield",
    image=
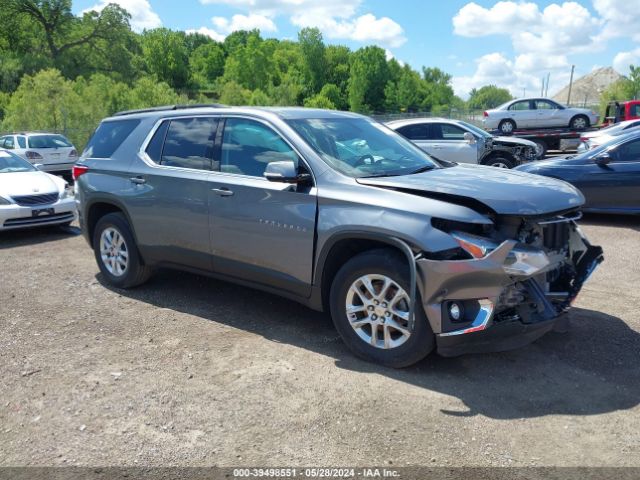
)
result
[(10, 163), (48, 141), (606, 146), (476, 130), (359, 147)]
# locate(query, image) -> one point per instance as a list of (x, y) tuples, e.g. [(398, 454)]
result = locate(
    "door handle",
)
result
[(436, 147), (138, 180), (223, 192)]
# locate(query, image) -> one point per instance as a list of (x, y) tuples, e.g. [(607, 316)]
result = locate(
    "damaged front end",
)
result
[(522, 153), (506, 285)]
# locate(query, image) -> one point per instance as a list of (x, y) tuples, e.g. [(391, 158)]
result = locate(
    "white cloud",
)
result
[(542, 41), (621, 18), (244, 22), (335, 18), (623, 60), (224, 26), (142, 15)]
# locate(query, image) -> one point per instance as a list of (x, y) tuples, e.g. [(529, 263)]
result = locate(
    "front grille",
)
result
[(556, 235), (40, 199), (28, 221)]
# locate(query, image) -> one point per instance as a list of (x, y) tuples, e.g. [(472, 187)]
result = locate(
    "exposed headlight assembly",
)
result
[(521, 261)]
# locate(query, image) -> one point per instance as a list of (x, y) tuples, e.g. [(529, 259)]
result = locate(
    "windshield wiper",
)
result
[(426, 168)]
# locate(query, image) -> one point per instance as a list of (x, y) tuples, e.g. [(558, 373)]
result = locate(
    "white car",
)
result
[(53, 151), (462, 142), (31, 198), (592, 140), (529, 113)]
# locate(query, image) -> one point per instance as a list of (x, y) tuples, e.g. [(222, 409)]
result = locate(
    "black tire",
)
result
[(579, 122), (507, 126), (541, 149), (393, 265), (499, 161), (136, 273)]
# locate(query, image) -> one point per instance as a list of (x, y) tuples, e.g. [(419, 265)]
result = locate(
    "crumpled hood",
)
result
[(504, 191), (29, 183), (514, 141)]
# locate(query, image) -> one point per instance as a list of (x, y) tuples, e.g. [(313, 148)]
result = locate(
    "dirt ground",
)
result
[(191, 371)]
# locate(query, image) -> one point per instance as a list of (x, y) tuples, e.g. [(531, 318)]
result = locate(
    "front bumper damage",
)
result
[(501, 308)]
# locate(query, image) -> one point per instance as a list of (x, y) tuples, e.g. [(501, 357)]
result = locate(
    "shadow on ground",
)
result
[(33, 236), (592, 369)]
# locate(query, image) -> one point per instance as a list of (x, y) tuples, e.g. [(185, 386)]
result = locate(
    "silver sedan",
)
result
[(31, 198), (530, 113)]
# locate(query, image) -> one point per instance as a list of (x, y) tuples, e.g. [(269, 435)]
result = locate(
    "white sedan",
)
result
[(31, 198), (529, 113)]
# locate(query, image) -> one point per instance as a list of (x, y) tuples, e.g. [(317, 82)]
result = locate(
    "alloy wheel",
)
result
[(378, 311), (114, 252)]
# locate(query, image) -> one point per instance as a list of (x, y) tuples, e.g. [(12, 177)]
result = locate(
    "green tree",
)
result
[(438, 91), (206, 64), (259, 98), (489, 96), (313, 58), (337, 66), (234, 94), (405, 94), (149, 92), (319, 101), (369, 74), (250, 65), (165, 56), (335, 96)]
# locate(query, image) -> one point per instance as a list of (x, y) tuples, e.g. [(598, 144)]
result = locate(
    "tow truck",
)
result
[(564, 139)]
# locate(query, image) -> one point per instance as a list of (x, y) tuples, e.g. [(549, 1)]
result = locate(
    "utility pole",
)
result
[(546, 89), (570, 85), (542, 89)]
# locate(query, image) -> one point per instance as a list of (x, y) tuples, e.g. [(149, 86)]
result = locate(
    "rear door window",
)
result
[(414, 132), (108, 137), (451, 132), (22, 142), (524, 105), (189, 143)]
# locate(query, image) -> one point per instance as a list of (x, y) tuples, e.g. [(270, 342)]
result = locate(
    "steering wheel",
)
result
[(361, 160)]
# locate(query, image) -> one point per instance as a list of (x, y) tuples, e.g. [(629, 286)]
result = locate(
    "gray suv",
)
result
[(336, 211)]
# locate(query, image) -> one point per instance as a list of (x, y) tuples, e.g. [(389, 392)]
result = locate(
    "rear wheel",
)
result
[(370, 309), (507, 126), (499, 161), (579, 122), (117, 254)]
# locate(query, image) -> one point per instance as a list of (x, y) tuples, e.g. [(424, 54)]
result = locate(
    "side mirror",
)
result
[(284, 172), (469, 138), (603, 159)]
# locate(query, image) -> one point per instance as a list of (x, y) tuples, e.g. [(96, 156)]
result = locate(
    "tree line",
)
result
[(63, 72)]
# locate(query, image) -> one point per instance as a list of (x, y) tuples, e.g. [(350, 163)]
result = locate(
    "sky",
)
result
[(512, 44)]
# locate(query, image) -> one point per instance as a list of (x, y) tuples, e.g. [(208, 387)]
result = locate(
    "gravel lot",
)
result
[(190, 371)]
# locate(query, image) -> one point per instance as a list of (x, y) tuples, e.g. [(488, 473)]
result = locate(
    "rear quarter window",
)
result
[(108, 137)]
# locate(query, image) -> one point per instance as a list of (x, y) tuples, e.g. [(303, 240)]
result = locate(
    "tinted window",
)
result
[(48, 141), (189, 143), (248, 146), (634, 110), (108, 137), (520, 106), (22, 142), (8, 143), (414, 132), (154, 149), (629, 152)]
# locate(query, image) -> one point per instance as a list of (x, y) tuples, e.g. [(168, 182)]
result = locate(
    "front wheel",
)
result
[(370, 309), (499, 162), (117, 254), (579, 122)]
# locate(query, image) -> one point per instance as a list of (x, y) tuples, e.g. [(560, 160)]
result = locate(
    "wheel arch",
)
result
[(98, 208), (343, 246)]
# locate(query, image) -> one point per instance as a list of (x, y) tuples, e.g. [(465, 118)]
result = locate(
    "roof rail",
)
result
[(168, 108)]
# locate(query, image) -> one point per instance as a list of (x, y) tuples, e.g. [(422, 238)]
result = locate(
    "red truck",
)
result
[(621, 111)]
